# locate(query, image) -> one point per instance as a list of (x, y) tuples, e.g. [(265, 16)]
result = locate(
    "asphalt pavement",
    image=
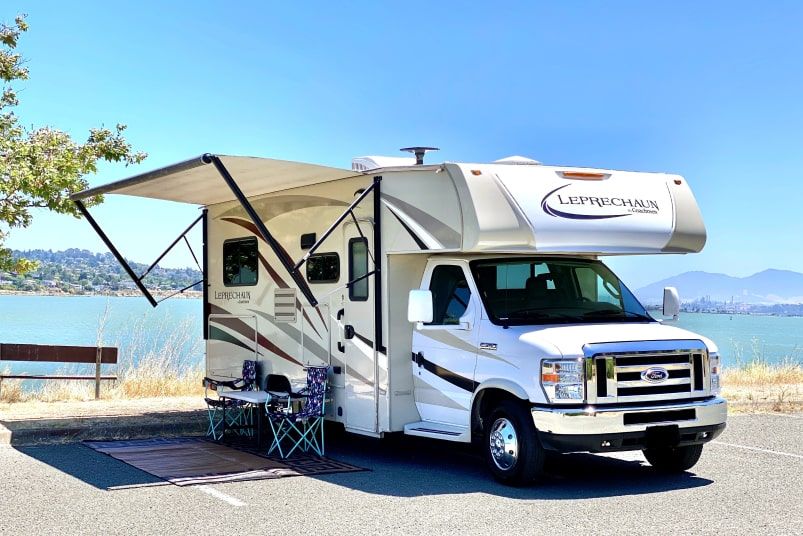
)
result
[(749, 481)]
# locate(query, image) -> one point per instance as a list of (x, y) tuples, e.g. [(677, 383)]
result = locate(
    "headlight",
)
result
[(563, 380), (714, 363)]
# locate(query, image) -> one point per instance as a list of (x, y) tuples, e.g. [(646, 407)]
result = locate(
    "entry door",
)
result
[(445, 351), (358, 321)]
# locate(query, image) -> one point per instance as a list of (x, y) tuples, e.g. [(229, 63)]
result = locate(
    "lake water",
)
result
[(137, 328), (132, 325)]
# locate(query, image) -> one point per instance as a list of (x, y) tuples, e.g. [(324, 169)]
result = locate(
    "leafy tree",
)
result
[(41, 167)]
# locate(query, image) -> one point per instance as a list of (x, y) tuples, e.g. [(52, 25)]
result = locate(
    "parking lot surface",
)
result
[(749, 481)]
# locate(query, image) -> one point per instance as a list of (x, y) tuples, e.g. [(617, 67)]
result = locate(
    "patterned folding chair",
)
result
[(304, 428), (238, 417)]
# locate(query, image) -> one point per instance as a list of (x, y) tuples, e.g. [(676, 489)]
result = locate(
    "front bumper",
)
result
[(610, 428)]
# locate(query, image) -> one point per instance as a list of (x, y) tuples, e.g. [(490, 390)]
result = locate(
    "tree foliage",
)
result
[(40, 167)]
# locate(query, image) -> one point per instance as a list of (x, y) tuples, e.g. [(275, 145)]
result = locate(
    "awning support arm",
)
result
[(176, 241), (263, 231), (180, 291), (334, 225), (82, 209)]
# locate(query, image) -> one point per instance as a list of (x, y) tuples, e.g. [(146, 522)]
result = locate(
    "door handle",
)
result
[(341, 348), (348, 331), (340, 313), (419, 359)]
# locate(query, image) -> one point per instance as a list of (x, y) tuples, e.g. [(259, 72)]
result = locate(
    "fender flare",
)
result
[(502, 384)]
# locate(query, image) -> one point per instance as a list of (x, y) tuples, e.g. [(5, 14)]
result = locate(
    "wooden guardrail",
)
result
[(42, 353)]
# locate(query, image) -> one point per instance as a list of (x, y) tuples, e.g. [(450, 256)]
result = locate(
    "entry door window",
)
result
[(358, 267), (450, 295)]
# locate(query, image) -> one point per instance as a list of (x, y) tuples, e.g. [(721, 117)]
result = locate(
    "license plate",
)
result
[(663, 436)]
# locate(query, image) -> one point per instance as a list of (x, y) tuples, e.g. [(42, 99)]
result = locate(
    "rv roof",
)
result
[(195, 181)]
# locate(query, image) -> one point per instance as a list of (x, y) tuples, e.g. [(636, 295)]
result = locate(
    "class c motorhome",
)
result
[(465, 302)]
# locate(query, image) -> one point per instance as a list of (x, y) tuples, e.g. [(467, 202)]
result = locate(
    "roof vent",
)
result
[(419, 153), (368, 163), (518, 161)]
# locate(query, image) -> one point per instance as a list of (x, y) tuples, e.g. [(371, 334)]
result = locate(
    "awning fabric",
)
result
[(198, 182)]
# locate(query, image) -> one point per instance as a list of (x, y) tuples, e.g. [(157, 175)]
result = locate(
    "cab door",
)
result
[(445, 350)]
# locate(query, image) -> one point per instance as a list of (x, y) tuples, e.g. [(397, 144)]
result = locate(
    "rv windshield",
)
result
[(553, 290)]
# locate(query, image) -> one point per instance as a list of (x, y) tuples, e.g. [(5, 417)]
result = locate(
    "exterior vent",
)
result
[(517, 161), (369, 163), (284, 305)]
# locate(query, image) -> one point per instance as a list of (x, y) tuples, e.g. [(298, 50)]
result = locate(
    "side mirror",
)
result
[(419, 306), (671, 302)]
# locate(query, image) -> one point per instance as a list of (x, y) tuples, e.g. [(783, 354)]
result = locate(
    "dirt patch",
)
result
[(778, 398), (34, 410)]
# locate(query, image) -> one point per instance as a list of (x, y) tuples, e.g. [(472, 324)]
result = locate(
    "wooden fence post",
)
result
[(98, 356)]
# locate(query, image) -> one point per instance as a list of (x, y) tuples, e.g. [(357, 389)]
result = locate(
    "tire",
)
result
[(509, 429), (674, 459)]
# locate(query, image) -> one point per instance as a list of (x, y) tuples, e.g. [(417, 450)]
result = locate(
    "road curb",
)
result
[(42, 432)]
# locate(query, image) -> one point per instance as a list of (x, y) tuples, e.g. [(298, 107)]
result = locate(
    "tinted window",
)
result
[(358, 267), (240, 262), (450, 295), (323, 268)]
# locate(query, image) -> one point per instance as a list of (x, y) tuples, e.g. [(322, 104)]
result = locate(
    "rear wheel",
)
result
[(511, 447), (674, 459)]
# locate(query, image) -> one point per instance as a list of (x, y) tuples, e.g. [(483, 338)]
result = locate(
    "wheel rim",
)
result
[(504, 444)]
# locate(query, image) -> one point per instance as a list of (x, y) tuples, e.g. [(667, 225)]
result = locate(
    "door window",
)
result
[(358, 267), (450, 295)]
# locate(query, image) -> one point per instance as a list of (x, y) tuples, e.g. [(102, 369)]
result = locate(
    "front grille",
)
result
[(625, 377)]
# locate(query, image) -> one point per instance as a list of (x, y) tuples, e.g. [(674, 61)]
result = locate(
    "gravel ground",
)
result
[(750, 481)]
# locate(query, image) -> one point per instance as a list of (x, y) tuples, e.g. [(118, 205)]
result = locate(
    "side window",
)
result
[(240, 262), (323, 268), (450, 295), (358, 267)]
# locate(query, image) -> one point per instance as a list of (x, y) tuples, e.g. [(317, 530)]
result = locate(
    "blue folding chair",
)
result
[(238, 416), (303, 428)]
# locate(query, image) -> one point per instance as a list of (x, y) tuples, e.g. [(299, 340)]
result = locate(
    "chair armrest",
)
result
[(230, 384)]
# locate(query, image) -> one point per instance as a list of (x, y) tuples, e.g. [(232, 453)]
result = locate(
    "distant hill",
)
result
[(767, 287), (79, 271)]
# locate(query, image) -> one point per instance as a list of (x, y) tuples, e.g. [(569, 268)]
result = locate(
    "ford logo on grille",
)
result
[(655, 375)]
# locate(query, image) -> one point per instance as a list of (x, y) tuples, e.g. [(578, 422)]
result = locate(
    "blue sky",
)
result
[(710, 90)]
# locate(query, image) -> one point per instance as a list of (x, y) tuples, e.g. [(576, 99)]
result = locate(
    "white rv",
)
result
[(458, 301)]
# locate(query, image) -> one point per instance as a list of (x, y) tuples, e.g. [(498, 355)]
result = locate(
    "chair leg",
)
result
[(214, 423)]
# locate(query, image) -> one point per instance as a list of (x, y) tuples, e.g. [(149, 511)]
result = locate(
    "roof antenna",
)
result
[(419, 153)]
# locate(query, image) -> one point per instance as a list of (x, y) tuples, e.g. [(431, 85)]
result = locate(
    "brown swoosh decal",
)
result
[(249, 225), (245, 330), (281, 284)]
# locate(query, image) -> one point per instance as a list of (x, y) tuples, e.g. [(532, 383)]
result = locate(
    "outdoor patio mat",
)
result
[(187, 461)]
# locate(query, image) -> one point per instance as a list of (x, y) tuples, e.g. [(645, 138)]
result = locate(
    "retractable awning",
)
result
[(197, 182), (211, 179)]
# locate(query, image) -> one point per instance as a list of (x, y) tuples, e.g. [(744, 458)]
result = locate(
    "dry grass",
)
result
[(755, 385)]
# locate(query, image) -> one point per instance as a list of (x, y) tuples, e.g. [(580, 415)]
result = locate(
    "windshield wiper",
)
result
[(609, 313), (538, 313)]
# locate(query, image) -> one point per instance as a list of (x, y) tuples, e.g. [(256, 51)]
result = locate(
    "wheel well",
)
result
[(484, 402)]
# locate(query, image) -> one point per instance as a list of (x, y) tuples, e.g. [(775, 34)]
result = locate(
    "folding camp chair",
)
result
[(238, 417), (304, 428)]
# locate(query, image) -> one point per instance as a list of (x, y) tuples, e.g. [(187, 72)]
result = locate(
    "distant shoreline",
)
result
[(187, 294)]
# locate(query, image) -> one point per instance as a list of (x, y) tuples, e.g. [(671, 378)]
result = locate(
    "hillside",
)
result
[(79, 271), (767, 287)]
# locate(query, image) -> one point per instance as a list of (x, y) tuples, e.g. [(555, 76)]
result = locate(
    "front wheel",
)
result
[(512, 450), (674, 459)]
